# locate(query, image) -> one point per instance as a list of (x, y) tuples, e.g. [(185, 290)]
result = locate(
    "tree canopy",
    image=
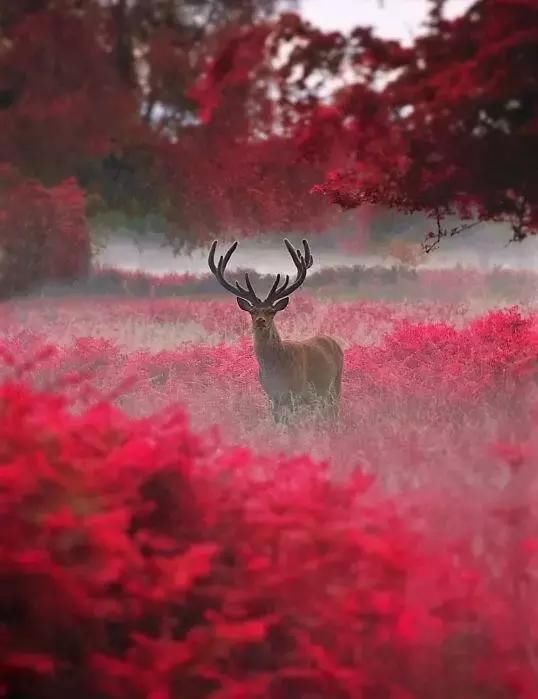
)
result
[(457, 127), (238, 117)]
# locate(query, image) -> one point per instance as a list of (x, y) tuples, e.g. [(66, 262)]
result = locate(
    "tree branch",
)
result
[(434, 237)]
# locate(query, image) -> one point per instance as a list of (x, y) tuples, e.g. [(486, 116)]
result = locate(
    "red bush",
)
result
[(139, 559), (43, 232)]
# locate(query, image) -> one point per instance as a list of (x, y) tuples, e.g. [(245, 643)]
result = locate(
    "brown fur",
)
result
[(297, 374)]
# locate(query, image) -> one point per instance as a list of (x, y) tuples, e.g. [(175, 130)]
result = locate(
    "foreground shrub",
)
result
[(43, 233), (139, 559)]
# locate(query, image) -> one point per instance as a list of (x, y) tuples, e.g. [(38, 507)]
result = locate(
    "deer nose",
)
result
[(260, 322)]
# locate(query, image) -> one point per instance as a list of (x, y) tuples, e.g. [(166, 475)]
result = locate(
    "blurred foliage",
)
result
[(225, 117)]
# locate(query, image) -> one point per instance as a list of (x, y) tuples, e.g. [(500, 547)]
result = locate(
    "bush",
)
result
[(43, 233), (139, 559)]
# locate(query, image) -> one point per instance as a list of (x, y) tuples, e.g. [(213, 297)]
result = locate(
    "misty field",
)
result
[(417, 512), (428, 388)]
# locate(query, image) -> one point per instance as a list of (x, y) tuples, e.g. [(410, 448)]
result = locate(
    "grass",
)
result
[(439, 410)]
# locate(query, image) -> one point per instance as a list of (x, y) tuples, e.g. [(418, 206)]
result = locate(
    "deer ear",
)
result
[(281, 305), (243, 305)]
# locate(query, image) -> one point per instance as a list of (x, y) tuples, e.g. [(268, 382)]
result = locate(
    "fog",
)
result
[(482, 248)]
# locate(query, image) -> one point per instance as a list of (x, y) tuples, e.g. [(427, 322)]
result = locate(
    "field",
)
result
[(437, 440)]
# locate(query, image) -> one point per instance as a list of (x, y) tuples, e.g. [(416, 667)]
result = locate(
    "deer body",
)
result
[(293, 374)]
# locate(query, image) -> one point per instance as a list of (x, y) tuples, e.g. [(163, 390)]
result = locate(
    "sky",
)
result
[(393, 19)]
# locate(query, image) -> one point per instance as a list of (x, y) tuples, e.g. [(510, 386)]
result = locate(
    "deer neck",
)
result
[(268, 346)]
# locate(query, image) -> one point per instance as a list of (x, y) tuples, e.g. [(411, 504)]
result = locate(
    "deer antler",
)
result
[(218, 270), (302, 262)]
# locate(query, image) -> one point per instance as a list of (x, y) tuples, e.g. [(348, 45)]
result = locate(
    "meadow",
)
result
[(394, 555)]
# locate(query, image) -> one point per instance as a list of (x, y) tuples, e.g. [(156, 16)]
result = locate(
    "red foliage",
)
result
[(62, 100), (256, 106), (43, 232), (241, 186), (231, 69), (140, 559), (223, 117), (455, 131)]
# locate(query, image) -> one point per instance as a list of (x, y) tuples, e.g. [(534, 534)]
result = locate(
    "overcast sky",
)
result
[(394, 19)]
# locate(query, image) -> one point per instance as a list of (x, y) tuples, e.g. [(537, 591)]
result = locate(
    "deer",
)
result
[(295, 375)]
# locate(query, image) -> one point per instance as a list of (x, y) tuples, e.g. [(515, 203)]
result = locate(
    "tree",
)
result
[(63, 103), (220, 116), (99, 91), (456, 130), (44, 234), (258, 97)]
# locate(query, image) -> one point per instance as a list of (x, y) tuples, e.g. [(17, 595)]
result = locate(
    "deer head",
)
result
[(263, 311)]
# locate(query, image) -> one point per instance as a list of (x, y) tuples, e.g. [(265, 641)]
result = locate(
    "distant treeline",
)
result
[(377, 282)]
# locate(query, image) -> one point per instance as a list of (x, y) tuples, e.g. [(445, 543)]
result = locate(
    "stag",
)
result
[(294, 374)]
